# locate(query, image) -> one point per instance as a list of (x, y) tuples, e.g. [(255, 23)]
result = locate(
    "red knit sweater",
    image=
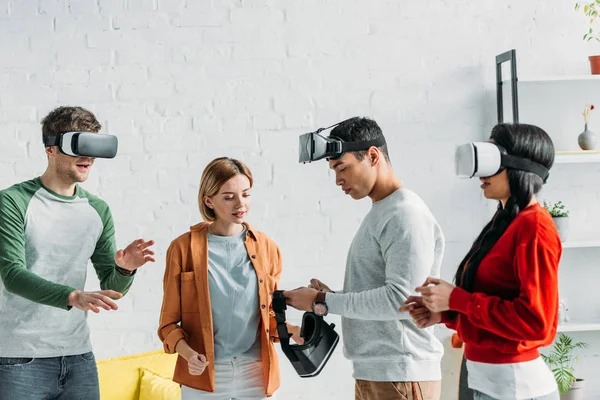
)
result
[(514, 308)]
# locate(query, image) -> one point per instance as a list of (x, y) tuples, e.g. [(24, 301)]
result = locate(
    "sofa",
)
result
[(139, 377)]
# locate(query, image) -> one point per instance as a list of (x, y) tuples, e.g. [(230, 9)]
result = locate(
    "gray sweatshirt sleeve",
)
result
[(407, 243)]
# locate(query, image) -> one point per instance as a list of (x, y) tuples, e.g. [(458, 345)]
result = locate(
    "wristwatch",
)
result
[(319, 306)]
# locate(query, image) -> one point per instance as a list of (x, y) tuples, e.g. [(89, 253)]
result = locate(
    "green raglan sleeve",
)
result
[(13, 267), (103, 258)]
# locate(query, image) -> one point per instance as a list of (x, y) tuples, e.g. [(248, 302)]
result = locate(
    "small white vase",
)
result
[(587, 139), (563, 310)]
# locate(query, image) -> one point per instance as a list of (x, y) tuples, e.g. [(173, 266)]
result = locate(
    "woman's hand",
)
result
[(420, 314), (436, 298), (197, 364), (294, 330)]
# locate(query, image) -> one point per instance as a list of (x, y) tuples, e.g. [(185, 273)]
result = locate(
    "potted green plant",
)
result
[(560, 216), (591, 9), (561, 361)]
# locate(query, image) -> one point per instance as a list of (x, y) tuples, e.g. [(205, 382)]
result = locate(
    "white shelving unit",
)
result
[(554, 78), (556, 103), (575, 157), (579, 326), (580, 244)]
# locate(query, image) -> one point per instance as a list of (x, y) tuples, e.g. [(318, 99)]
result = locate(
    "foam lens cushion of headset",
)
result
[(310, 328)]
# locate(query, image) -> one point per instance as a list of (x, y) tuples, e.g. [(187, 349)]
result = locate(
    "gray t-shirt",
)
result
[(398, 245), (233, 298)]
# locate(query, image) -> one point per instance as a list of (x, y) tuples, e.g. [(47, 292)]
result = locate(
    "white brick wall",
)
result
[(183, 81)]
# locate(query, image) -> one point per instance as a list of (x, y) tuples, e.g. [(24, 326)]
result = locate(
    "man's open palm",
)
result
[(135, 255)]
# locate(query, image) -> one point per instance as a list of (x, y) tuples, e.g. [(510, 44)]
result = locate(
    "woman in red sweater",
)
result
[(504, 305)]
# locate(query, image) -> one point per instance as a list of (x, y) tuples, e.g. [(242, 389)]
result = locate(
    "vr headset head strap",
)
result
[(52, 140), (279, 307), (358, 146), (523, 164)]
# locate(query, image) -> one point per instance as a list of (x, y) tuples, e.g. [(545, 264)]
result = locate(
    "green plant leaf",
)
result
[(562, 358)]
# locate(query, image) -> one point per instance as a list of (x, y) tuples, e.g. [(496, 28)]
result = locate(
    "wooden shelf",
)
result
[(580, 244), (579, 326), (573, 157)]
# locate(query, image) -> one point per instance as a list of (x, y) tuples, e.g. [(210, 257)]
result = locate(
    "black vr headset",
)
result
[(483, 159), (84, 144), (314, 147), (320, 340)]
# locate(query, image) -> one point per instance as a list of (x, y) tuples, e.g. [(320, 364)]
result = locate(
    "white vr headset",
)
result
[(84, 144), (483, 159)]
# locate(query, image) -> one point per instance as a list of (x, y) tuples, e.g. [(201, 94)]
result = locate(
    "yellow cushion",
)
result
[(120, 377), (155, 387)]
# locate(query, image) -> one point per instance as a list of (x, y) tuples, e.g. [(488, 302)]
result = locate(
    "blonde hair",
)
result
[(216, 173)]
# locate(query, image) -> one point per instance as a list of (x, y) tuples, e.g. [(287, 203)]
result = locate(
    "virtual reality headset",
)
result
[(84, 144), (320, 340), (484, 159), (314, 147)]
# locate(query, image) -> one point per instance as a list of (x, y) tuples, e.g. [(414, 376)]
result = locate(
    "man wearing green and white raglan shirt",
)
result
[(49, 229)]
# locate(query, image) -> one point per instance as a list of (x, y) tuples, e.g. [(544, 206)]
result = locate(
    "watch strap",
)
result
[(320, 297)]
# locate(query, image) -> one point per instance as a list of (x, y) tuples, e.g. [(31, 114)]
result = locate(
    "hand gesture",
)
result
[(301, 298), (422, 317), (436, 298), (318, 285), (93, 301), (135, 255)]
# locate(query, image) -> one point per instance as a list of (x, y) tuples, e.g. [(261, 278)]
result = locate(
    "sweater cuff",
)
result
[(335, 303), (459, 300), (65, 298), (446, 319), (172, 338)]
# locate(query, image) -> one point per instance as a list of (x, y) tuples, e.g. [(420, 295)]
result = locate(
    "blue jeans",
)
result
[(481, 396), (56, 378)]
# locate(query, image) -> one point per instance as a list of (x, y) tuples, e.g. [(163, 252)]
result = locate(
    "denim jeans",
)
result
[(56, 378), (464, 393), (481, 396)]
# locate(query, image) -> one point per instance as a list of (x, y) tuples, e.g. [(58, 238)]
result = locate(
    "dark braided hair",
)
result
[(522, 140)]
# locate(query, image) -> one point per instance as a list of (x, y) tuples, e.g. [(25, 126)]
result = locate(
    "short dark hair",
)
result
[(66, 119), (360, 129)]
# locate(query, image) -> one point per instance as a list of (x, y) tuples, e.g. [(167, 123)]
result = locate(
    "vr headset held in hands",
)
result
[(320, 340), (84, 144), (481, 159)]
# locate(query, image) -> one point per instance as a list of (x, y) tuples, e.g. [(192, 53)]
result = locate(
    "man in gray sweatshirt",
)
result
[(398, 245)]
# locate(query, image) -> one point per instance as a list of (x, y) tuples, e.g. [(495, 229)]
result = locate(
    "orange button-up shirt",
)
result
[(186, 309)]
